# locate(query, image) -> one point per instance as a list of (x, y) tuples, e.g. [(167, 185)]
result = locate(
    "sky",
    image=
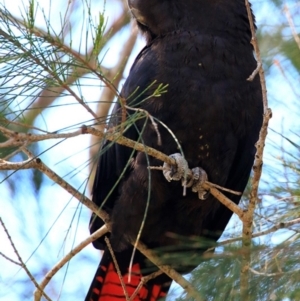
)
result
[(45, 226)]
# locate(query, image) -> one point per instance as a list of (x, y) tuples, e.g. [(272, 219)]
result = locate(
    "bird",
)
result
[(191, 79)]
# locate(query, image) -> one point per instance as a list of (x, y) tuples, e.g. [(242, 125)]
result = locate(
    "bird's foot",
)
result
[(176, 173), (196, 181), (194, 178)]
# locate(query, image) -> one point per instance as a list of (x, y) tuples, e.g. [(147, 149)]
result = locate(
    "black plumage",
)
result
[(201, 50)]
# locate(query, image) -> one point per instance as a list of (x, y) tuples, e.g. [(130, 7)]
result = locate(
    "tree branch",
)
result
[(39, 292), (257, 166), (190, 290), (18, 139)]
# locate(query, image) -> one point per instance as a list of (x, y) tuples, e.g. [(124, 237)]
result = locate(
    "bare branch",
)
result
[(22, 264), (190, 290), (274, 228), (143, 281), (37, 163), (257, 166), (117, 268), (11, 260), (100, 232), (19, 138), (225, 200), (254, 73), (292, 25), (272, 274)]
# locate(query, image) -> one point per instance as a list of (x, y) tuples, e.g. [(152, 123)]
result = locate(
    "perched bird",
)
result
[(201, 50)]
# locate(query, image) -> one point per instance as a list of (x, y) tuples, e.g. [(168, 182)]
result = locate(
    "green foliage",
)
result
[(273, 275)]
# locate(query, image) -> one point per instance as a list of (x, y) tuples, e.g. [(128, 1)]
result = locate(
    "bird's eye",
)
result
[(138, 16), (134, 6)]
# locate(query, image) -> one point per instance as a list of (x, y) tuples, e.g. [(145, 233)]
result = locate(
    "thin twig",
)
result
[(154, 124), (190, 290), (225, 201), (118, 138), (274, 228), (254, 73), (11, 260), (22, 264), (272, 274), (19, 138), (223, 188), (117, 268), (143, 281), (38, 164), (257, 166), (100, 232), (21, 124), (292, 25)]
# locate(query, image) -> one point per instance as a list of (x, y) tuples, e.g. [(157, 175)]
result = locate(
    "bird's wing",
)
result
[(114, 159)]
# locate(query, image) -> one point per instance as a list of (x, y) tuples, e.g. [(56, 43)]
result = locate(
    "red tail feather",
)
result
[(107, 285)]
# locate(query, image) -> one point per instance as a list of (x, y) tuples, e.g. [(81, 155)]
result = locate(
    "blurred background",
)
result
[(49, 58)]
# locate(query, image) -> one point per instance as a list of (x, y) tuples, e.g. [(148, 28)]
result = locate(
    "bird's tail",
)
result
[(107, 285)]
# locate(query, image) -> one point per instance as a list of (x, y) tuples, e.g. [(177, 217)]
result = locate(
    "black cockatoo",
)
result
[(201, 50)]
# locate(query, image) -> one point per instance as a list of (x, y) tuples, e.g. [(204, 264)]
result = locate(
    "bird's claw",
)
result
[(181, 172), (198, 179), (177, 172)]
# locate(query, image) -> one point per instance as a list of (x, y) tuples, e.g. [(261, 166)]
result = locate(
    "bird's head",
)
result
[(154, 18), (159, 17)]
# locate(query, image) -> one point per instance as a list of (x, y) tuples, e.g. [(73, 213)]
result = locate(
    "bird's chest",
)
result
[(208, 101)]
